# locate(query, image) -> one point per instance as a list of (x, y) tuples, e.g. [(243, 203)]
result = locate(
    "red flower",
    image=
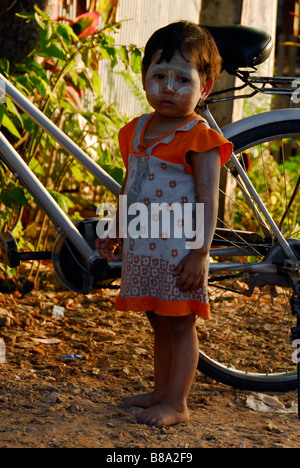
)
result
[(85, 25)]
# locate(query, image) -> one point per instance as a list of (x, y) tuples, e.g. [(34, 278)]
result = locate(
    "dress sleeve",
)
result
[(126, 135), (206, 139), (123, 143)]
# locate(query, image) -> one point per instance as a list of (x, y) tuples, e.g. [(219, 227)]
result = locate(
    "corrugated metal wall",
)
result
[(67, 9), (143, 17)]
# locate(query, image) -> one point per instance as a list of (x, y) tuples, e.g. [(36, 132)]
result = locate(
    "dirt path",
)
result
[(49, 401)]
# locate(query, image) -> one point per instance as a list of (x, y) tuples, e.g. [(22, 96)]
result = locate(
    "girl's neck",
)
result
[(161, 125)]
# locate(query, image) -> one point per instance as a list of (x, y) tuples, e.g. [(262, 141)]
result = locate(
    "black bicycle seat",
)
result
[(241, 46)]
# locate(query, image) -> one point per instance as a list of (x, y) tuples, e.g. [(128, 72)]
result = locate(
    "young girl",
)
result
[(171, 156)]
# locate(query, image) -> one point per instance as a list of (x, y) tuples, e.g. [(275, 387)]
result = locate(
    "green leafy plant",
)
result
[(273, 181), (60, 76)]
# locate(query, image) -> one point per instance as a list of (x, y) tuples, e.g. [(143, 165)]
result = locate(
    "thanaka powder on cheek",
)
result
[(152, 89)]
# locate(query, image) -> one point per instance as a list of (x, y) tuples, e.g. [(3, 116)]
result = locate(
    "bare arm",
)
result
[(206, 170), (107, 246)]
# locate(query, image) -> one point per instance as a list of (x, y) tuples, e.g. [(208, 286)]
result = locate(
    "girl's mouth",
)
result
[(166, 102)]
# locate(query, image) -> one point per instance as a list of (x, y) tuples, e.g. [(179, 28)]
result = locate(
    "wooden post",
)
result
[(222, 13), (261, 14)]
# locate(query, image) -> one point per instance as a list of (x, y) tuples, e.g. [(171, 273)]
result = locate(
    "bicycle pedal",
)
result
[(9, 254)]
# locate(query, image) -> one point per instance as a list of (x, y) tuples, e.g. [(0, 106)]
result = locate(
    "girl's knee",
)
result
[(182, 325), (155, 320)]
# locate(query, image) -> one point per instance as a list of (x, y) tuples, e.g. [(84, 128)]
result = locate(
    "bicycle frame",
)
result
[(249, 186), (62, 223), (28, 179)]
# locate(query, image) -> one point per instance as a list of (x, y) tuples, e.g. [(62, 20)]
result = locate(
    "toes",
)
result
[(144, 417)]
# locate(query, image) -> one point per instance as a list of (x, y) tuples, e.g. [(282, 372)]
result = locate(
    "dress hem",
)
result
[(163, 308)]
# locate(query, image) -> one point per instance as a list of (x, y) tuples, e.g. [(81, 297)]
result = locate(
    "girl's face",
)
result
[(173, 88)]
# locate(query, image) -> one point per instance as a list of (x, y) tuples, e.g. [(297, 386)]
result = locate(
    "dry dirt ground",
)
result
[(49, 401)]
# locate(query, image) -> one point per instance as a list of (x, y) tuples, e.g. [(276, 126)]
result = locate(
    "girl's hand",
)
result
[(193, 270), (106, 248)]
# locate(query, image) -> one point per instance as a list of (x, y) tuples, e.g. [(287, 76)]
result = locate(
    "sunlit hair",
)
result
[(192, 41)]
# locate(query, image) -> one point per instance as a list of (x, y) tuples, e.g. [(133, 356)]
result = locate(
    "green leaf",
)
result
[(54, 51), (4, 65), (12, 195), (12, 108), (29, 125), (104, 53), (136, 61), (67, 33), (32, 66), (40, 85), (117, 173), (36, 167), (41, 13), (2, 111), (78, 173), (28, 16), (96, 83), (7, 123), (62, 200), (123, 54), (39, 21)]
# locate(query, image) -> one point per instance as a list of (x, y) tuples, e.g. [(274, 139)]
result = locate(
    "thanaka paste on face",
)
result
[(171, 70), (171, 81)]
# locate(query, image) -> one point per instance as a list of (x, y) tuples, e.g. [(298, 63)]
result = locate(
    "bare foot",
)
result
[(164, 414), (145, 400)]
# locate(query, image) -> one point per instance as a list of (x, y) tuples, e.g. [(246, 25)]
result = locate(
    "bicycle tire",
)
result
[(276, 382)]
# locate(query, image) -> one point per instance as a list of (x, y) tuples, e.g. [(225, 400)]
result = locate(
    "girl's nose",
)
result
[(170, 83)]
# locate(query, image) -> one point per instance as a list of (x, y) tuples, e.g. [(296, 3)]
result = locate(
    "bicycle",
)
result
[(254, 278)]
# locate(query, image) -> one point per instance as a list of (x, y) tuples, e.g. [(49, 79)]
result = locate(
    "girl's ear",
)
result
[(207, 89)]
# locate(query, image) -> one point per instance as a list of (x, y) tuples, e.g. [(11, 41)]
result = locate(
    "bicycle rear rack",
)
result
[(278, 86)]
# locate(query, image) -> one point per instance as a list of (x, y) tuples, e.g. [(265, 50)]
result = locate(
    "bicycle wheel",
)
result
[(247, 342)]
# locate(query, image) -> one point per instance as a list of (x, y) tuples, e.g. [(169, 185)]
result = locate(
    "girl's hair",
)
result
[(193, 42)]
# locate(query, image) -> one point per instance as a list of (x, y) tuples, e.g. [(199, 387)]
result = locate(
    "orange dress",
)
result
[(157, 174)]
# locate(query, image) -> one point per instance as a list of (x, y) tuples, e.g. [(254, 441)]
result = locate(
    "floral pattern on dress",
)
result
[(149, 264)]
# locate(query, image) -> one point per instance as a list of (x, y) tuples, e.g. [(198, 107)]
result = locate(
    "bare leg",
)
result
[(162, 365), (185, 353)]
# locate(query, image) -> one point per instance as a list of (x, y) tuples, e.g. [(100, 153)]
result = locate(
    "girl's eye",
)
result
[(183, 80), (159, 76)]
